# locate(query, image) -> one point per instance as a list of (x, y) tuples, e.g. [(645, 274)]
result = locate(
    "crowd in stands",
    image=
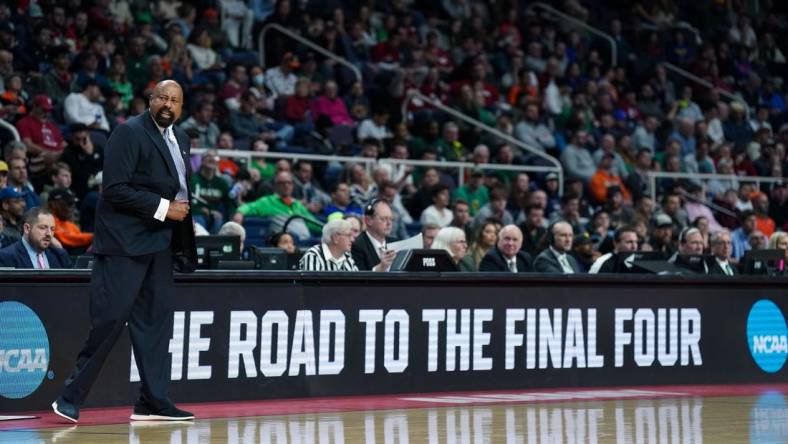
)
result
[(72, 70)]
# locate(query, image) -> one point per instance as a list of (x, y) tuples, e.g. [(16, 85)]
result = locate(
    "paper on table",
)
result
[(407, 244)]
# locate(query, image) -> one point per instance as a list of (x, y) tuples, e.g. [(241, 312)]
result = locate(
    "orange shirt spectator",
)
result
[(604, 178)]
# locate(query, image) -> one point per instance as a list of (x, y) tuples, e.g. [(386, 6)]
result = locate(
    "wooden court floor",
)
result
[(761, 418)]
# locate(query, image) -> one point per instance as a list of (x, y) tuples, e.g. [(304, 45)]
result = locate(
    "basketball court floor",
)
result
[(676, 414)]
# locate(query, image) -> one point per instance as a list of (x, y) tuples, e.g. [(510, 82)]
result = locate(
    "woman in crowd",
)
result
[(452, 239), (486, 237)]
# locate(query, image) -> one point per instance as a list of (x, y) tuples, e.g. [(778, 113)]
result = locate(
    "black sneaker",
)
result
[(66, 410), (143, 412)]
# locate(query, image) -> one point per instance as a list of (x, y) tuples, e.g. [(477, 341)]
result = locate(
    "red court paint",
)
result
[(235, 409)]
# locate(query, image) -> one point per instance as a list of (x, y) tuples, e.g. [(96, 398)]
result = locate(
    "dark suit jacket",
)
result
[(15, 255), (716, 269), (547, 262), (138, 172), (363, 252), (494, 261)]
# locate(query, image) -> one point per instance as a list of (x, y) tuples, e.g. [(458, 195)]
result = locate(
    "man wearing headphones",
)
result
[(555, 259), (625, 240), (369, 250), (690, 243)]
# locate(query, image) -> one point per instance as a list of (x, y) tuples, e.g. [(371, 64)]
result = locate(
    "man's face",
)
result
[(498, 205), (693, 243), (39, 235), (461, 213), (15, 207), (209, 165), (510, 241), (62, 179), (428, 236), (563, 237), (628, 241), (536, 217), (17, 172), (344, 240), (342, 195), (749, 224), (305, 173), (166, 104), (380, 223), (672, 205), (722, 247), (283, 183)]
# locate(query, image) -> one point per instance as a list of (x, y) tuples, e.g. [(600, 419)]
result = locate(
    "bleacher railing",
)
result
[(10, 128), (370, 163), (556, 168), (731, 178), (306, 42), (577, 23), (701, 81)]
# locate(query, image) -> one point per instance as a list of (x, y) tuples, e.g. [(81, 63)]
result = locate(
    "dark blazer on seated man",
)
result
[(495, 261), (16, 255), (547, 262)]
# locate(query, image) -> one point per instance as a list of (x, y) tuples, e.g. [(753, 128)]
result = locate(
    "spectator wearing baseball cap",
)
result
[(42, 138), (62, 203)]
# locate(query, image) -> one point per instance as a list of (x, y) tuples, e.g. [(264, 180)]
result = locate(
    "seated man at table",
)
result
[(333, 252), (506, 255), (555, 258), (35, 249), (625, 240)]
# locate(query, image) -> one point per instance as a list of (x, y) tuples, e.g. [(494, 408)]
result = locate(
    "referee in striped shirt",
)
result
[(333, 252)]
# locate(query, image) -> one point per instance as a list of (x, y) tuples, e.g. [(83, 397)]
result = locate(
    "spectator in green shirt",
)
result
[(473, 192), (211, 195), (279, 207)]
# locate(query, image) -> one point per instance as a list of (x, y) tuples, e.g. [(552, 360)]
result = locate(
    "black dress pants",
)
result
[(136, 290)]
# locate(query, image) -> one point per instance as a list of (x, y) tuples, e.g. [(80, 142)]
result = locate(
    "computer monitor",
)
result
[(631, 262), (212, 249), (770, 262), (268, 258), (423, 260), (84, 262), (697, 263)]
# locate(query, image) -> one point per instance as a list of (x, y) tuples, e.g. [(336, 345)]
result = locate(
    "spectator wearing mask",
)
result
[(36, 250), (452, 240), (556, 258), (369, 250), (333, 252), (722, 250), (61, 204), (507, 256), (625, 240)]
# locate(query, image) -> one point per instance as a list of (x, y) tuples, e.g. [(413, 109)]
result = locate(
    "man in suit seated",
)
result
[(369, 250), (625, 240), (35, 249), (554, 259), (722, 249), (506, 255)]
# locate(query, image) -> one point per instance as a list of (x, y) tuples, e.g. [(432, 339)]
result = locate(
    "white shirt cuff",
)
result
[(161, 212)]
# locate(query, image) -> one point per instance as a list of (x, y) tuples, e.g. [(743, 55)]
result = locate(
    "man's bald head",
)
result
[(166, 102)]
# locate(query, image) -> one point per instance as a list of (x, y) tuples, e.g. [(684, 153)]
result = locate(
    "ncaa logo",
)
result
[(767, 336), (24, 350)]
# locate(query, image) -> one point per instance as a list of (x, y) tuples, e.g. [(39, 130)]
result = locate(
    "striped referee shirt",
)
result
[(319, 258)]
